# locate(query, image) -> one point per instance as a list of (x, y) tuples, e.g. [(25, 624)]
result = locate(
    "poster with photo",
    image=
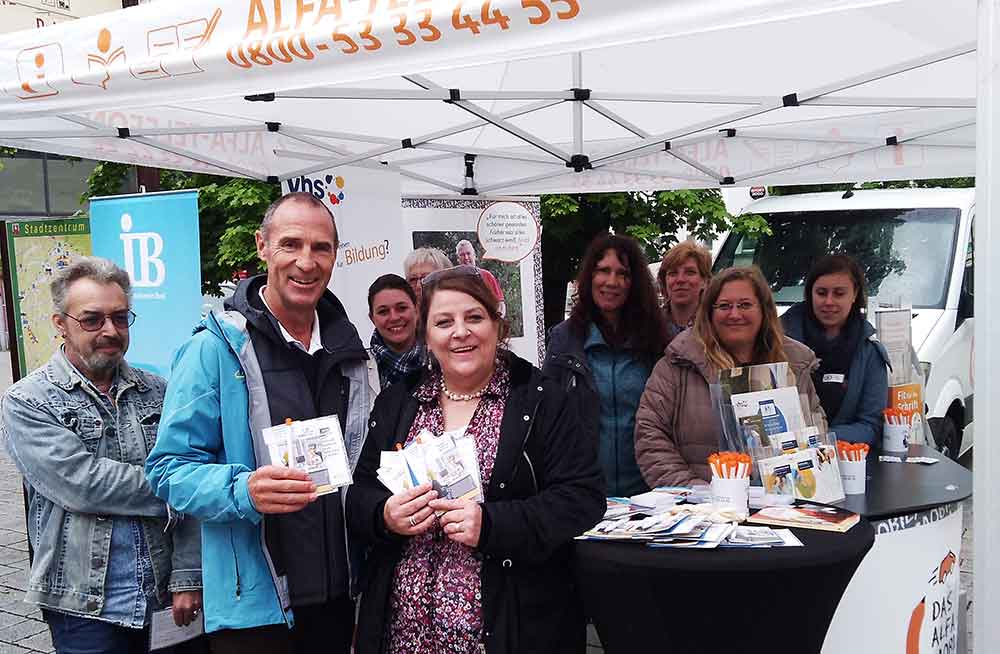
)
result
[(501, 237)]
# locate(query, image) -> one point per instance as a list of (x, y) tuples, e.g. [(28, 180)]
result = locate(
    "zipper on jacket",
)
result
[(614, 415), (236, 563)]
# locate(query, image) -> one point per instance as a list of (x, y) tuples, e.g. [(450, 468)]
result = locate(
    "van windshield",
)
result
[(906, 254)]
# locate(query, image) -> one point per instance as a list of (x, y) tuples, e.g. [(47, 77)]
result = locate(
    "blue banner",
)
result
[(154, 237)]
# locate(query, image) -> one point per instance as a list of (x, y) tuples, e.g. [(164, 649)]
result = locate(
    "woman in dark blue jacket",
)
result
[(852, 381)]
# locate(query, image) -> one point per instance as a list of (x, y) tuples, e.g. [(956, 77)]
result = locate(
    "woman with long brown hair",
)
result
[(677, 426), (603, 354)]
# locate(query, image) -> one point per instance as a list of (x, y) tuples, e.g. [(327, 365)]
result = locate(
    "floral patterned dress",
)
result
[(436, 604)]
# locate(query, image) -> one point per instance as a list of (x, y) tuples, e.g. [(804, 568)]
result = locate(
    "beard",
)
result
[(101, 362)]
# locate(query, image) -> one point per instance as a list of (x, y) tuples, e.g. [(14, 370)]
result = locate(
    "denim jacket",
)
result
[(81, 469)]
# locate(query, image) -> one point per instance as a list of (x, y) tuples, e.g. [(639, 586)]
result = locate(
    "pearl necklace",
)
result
[(461, 397)]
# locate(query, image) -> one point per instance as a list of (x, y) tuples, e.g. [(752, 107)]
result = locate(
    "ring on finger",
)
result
[(413, 523)]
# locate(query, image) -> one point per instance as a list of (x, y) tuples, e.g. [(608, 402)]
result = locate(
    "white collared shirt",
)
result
[(315, 342)]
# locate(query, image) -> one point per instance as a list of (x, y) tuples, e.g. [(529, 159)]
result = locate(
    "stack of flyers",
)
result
[(315, 446), (449, 462), (640, 526), (705, 535)]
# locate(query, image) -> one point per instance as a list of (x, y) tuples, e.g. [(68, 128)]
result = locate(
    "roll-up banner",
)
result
[(154, 237)]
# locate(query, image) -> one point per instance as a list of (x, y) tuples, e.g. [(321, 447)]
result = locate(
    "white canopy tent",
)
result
[(541, 96), (596, 96)]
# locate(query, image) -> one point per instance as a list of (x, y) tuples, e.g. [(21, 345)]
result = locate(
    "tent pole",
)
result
[(986, 453), (577, 104)]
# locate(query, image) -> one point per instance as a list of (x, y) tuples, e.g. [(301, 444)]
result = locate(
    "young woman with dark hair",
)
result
[(852, 381), (605, 351), (395, 348)]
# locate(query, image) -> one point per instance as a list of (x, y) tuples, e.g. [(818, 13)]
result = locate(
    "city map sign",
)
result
[(36, 251)]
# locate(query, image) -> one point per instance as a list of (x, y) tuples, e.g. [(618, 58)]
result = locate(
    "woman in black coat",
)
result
[(453, 575)]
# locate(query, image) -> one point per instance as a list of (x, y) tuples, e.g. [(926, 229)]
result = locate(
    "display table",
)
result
[(645, 599), (902, 598)]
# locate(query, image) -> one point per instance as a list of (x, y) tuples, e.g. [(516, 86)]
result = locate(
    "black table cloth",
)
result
[(730, 601)]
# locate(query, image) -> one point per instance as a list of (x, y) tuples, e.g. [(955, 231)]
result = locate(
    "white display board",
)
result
[(495, 229), (365, 204), (904, 596)]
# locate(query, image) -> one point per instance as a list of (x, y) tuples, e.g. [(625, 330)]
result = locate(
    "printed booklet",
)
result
[(807, 516), (316, 446)]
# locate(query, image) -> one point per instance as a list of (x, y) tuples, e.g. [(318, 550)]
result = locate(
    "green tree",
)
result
[(229, 211), (570, 222)]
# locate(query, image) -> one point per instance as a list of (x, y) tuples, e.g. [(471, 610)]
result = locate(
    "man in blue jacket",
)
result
[(275, 557)]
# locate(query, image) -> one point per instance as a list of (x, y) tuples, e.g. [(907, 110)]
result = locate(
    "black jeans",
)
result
[(327, 628)]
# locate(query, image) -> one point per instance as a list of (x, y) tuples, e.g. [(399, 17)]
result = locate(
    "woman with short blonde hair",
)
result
[(684, 273)]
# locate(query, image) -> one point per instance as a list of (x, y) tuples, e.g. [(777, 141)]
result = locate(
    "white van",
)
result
[(913, 244)]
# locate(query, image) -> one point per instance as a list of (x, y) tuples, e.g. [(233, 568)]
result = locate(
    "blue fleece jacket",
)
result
[(860, 418)]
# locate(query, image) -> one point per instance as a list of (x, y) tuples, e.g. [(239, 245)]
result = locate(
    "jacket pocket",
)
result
[(85, 425), (149, 422)]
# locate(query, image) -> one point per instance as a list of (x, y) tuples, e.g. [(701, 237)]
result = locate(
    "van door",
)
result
[(950, 385)]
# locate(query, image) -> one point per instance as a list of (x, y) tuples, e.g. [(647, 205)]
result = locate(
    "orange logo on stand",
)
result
[(34, 67), (947, 567), (943, 620), (99, 63)]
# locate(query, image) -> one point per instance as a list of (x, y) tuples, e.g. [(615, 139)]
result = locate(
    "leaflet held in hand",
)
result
[(449, 462), (315, 446)]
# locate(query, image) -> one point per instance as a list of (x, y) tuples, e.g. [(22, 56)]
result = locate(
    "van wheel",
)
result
[(947, 436)]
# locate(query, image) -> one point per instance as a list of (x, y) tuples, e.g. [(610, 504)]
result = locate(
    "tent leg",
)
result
[(986, 454)]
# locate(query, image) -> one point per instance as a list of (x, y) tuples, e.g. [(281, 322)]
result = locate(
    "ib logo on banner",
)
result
[(154, 238)]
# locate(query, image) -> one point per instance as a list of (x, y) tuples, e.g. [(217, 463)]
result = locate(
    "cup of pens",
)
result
[(896, 431), (853, 458), (730, 480)]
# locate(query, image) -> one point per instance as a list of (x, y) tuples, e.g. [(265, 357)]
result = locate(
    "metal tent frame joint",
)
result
[(260, 97), (124, 133), (272, 126), (579, 163)]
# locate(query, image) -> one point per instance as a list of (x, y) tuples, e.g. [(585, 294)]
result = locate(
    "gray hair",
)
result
[(458, 246), (424, 256), (304, 198), (102, 271)]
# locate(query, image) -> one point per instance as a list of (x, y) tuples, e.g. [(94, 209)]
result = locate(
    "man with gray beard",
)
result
[(79, 429)]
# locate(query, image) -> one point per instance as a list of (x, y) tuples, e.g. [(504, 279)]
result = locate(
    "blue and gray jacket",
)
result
[(210, 441)]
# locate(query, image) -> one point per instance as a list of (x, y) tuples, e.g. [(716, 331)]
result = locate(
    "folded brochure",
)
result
[(449, 462)]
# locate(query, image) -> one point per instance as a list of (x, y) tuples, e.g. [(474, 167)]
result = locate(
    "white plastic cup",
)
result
[(852, 474), (732, 493), (895, 438)]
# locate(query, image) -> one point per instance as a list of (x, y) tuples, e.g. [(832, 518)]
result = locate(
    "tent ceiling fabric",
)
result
[(548, 96)]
